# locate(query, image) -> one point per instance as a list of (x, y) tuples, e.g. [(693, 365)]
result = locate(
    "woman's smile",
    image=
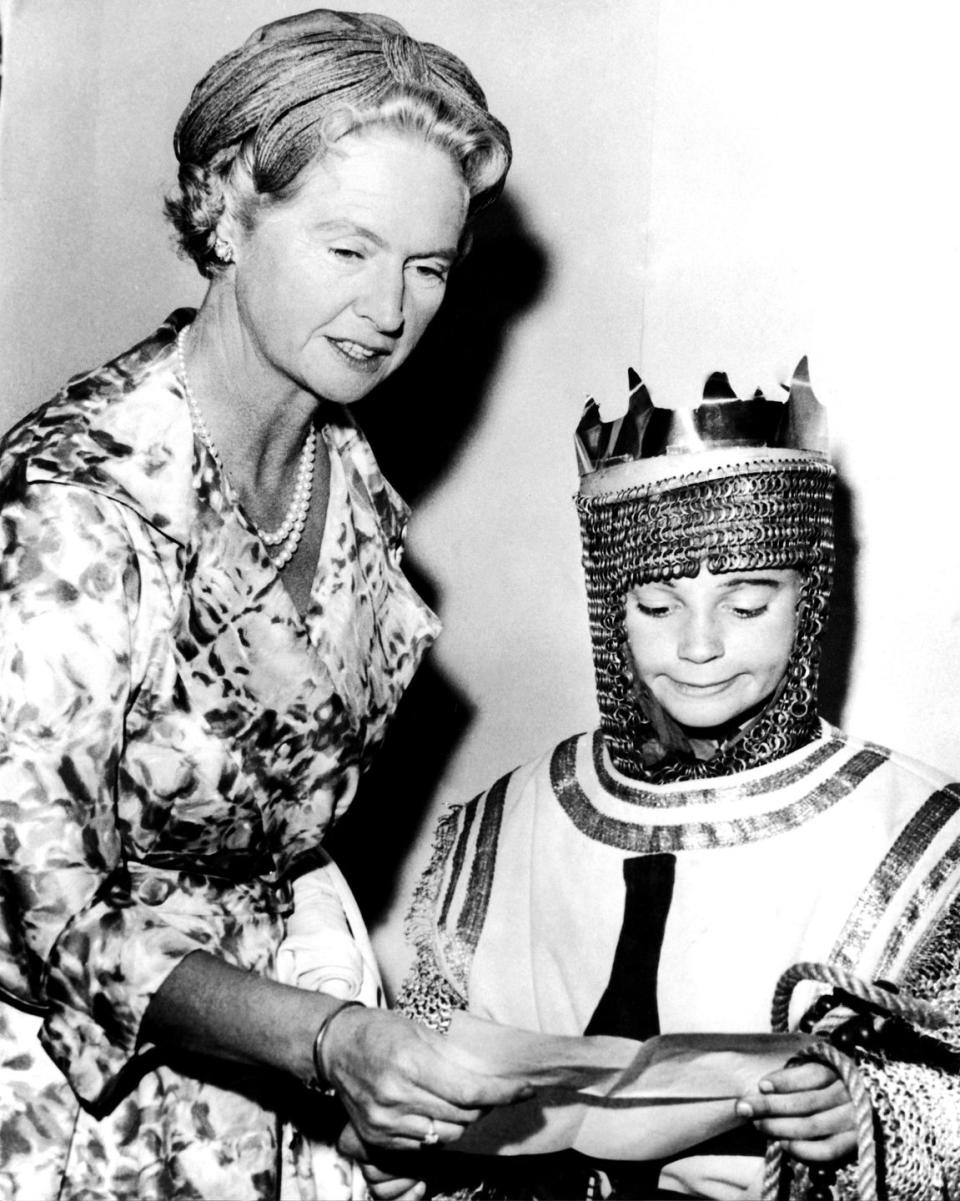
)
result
[(357, 355)]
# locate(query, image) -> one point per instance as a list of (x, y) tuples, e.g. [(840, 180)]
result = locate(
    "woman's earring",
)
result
[(223, 250)]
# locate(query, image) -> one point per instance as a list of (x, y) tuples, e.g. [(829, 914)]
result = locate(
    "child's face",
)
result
[(713, 647)]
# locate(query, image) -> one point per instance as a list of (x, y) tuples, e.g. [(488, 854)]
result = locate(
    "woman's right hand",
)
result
[(393, 1076), (398, 1086)]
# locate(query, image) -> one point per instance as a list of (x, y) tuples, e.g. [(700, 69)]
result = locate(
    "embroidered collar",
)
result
[(735, 810)]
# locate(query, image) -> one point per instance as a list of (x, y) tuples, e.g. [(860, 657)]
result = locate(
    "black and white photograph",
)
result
[(479, 601)]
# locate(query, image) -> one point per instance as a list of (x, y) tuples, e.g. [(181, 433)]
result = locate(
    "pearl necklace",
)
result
[(285, 539)]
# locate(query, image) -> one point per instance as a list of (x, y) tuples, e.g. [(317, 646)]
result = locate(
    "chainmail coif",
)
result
[(766, 514)]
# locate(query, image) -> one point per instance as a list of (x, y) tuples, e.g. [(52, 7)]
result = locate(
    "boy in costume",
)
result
[(660, 873)]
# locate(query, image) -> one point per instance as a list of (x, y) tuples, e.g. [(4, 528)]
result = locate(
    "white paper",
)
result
[(612, 1098)]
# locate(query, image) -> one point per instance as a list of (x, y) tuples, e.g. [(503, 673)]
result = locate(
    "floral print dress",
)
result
[(175, 740)]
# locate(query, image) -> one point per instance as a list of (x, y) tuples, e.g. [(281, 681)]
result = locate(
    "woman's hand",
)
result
[(384, 1187), (400, 1090), (385, 1181), (807, 1109)]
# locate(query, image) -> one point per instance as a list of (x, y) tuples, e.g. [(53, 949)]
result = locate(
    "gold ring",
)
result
[(431, 1138)]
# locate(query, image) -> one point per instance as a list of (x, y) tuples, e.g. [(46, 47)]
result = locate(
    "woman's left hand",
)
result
[(807, 1108), (384, 1183)]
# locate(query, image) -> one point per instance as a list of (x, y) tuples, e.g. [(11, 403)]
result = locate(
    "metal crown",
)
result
[(646, 432)]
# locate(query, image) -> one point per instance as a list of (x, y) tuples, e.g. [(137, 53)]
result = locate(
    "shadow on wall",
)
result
[(418, 422), (420, 418), (840, 634)]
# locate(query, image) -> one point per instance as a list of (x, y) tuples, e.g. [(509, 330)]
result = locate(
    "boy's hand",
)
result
[(807, 1109)]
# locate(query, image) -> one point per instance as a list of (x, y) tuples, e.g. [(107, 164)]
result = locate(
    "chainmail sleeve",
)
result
[(917, 1104), (914, 1086), (917, 1109), (426, 995), (917, 1128)]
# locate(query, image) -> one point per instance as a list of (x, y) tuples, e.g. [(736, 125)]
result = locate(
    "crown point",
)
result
[(643, 431), (591, 412), (808, 418), (718, 387), (588, 436)]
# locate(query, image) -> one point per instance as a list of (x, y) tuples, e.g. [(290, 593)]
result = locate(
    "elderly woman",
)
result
[(205, 633), (659, 874)]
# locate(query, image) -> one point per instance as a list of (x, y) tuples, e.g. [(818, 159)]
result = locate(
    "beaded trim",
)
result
[(919, 907), (467, 833), (422, 927), (285, 539), (896, 865)]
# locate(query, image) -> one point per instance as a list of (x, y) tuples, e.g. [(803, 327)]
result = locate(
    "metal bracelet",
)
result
[(319, 1082)]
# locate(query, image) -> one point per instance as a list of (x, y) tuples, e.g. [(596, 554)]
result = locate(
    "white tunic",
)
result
[(842, 851)]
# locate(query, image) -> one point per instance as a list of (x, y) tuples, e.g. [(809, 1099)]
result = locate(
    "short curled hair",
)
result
[(284, 99)]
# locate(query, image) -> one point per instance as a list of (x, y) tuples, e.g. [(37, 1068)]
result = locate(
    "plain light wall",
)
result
[(708, 186), (804, 200)]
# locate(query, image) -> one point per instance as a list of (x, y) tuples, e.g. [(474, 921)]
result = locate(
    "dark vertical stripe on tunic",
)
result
[(628, 1006), (474, 911), (459, 854)]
